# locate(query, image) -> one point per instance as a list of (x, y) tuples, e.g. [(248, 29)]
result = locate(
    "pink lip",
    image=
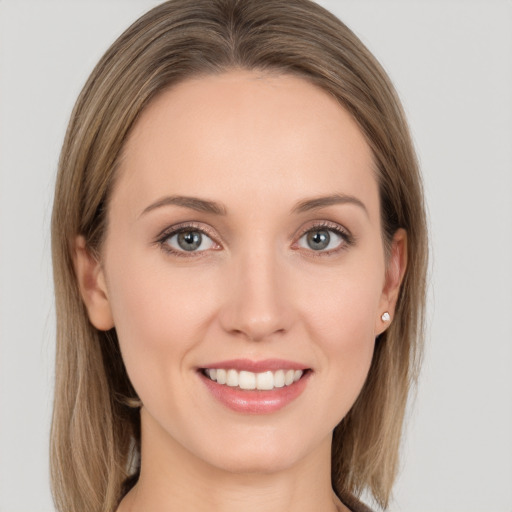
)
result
[(256, 401), (264, 365)]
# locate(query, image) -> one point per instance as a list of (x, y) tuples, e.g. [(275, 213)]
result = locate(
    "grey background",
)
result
[(452, 64)]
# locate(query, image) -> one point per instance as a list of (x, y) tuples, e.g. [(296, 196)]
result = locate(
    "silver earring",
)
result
[(385, 317)]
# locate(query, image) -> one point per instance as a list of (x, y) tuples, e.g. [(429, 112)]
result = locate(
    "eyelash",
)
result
[(344, 234), (183, 228)]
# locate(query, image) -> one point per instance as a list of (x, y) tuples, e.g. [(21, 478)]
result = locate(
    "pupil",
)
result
[(318, 240), (189, 240)]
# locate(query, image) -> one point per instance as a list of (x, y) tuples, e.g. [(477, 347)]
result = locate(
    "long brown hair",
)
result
[(95, 440)]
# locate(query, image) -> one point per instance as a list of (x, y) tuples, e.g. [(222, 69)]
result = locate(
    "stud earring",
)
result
[(385, 317)]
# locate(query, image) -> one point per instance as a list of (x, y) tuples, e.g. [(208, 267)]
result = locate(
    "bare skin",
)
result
[(278, 255)]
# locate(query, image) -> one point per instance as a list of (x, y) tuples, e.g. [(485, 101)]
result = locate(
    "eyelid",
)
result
[(170, 231), (344, 233), (165, 234), (184, 226)]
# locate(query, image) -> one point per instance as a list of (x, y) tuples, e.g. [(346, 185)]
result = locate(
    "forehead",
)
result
[(243, 132)]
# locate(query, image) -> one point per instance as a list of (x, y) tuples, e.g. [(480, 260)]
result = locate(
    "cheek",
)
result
[(345, 331), (341, 305), (340, 317), (159, 316)]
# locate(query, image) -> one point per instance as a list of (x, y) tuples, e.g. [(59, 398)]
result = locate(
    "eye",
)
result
[(323, 239), (187, 240)]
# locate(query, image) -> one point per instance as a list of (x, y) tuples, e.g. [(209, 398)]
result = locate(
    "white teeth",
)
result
[(248, 380), (232, 378), (279, 379), (265, 380), (221, 376)]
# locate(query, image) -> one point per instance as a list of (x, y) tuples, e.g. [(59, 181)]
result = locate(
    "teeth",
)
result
[(279, 379), (249, 380), (221, 376), (246, 380), (265, 380), (232, 378)]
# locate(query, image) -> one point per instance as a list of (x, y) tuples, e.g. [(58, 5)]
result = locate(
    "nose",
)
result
[(257, 305)]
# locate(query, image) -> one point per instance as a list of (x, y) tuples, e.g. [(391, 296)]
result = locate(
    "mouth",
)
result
[(251, 387), (247, 380)]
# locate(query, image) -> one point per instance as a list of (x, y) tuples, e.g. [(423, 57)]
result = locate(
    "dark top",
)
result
[(354, 504)]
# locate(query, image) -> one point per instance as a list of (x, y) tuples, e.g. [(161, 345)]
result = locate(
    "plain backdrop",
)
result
[(451, 62)]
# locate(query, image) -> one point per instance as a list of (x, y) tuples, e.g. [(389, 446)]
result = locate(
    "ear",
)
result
[(91, 282), (395, 272)]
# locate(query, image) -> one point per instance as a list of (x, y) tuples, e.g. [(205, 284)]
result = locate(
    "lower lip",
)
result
[(255, 401)]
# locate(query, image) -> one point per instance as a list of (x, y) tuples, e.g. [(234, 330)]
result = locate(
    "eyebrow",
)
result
[(194, 203), (325, 201), (204, 205)]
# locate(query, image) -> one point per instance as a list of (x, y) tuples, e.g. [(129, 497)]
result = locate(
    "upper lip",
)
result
[(249, 365)]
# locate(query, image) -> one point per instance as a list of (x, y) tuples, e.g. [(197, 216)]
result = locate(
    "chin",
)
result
[(262, 452), (256, 461)]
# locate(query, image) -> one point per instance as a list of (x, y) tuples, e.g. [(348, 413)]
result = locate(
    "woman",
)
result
[(239, 251)]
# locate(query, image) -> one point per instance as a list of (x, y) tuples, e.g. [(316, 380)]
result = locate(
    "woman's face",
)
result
[(244, 243)]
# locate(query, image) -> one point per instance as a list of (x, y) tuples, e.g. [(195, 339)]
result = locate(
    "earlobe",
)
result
[(91, 282), (395, 272)]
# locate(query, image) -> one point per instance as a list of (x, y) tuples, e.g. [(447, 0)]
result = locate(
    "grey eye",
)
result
[(320, 240), (190, 241)]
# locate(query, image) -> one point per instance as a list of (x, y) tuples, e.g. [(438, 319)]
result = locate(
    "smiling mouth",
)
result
[(245, 380)]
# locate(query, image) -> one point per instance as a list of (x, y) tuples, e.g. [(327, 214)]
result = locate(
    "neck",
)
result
[(173, 478)]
